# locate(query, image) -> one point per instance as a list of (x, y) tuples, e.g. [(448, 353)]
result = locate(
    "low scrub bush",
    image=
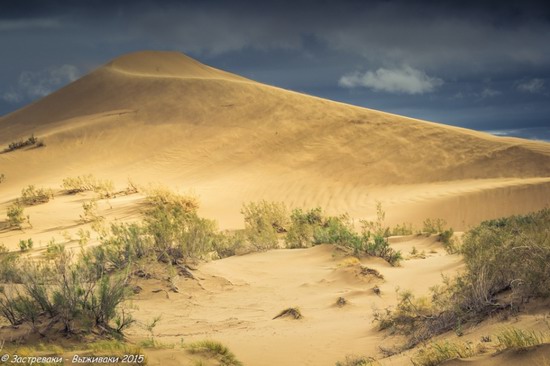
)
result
[(434, 226), (302, 227), (178, 232), (163, 197), (402, 230), (439, 352), (83, 183), (16, 216), (514, 338), (263, 221), (66, 291), (34, 196), (25, 245), (22, 143)]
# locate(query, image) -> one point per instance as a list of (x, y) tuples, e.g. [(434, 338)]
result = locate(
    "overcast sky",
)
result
[(485, 67)]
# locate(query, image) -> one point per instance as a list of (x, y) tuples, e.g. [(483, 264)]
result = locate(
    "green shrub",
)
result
[(25, 245), (33, 196), (302, 228), (380, 247), (356, 361), (263, 221), (228, 244), (401, 230), (178, 233), (67, 291), (16, 215), (446, 238), (434, 226)]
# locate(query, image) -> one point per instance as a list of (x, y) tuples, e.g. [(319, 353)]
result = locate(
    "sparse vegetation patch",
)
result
[(24, 143), (32, 195)]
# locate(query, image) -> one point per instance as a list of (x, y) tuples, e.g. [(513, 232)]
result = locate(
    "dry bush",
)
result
[(83, 183), (216, 350), (34, 196), (514, 338), (158, 196), (436, 353)]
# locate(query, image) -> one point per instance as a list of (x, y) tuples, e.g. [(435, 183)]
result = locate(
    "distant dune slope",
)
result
[(164, 117)]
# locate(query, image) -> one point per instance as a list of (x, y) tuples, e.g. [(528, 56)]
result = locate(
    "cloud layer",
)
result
[(39, 84), (402, 80)]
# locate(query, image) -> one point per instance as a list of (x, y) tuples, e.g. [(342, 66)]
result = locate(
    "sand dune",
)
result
[(229, 139)]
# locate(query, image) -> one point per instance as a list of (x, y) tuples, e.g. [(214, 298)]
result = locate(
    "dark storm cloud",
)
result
[(463, 62)]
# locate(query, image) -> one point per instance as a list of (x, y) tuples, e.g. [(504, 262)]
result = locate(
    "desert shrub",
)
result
[(178, 232), (434, 226), (303, 224), (356, 361), (67, 291), (380, 247), (90, 212), (514, 338), (336, 230), (511, 253), (34, 196), (163, 197), (216, 350), (439, 352), (25, 245), (21, 144), (506, 263), (83, 183), (16, 215), (263, 221), (54, 249), (125, 244), (228, 244), (9, 267), (376, 228), (403, 229), (449, 243), (2, 177)]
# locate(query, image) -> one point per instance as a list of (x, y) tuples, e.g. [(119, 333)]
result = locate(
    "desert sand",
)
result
[(164, 118)]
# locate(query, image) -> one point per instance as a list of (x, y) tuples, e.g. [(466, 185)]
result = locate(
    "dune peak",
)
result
[(164, 64)]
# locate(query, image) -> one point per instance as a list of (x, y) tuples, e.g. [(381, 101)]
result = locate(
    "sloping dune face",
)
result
[(164, 117)]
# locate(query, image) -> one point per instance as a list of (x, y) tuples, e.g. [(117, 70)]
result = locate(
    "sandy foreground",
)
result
[(163, 118)]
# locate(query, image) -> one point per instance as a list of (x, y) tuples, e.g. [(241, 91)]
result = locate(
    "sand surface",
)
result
[(161, 117)]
